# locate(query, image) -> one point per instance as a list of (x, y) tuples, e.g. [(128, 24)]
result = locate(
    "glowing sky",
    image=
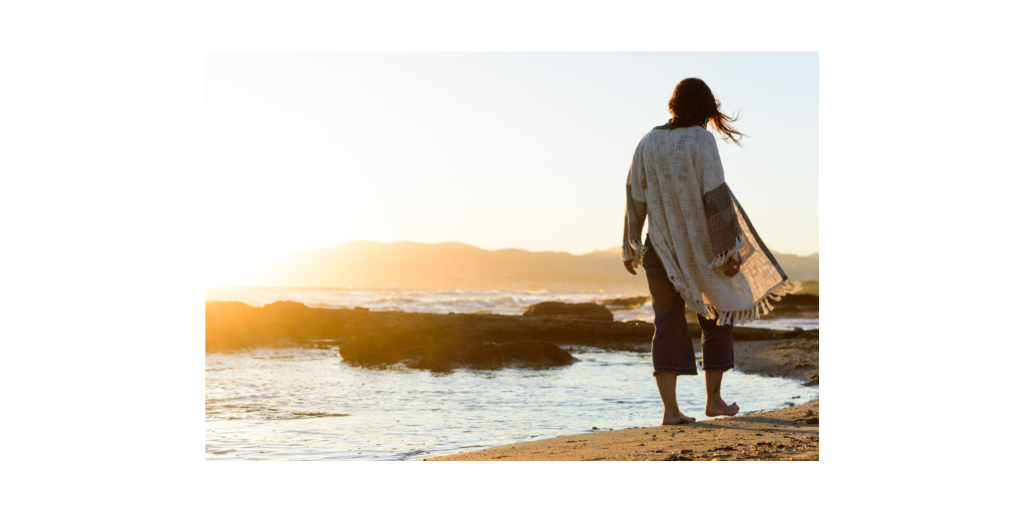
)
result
[(496, 150)]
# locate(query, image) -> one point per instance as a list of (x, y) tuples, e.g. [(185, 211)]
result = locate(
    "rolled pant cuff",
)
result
[(720, 369), (679, 371)]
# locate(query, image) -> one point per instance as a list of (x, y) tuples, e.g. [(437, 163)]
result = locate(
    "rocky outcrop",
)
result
[(795, 305), (587, 311), (433, 341), (626, 302), (439, 350)]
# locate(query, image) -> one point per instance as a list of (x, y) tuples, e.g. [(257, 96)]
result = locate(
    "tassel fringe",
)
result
[(635, 252), (698, 306), (761, 307), (722, 258)]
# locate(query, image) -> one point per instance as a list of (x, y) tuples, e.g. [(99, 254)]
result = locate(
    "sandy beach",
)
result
[(790, 433)]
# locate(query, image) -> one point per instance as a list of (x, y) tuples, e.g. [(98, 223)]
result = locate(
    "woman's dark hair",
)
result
[(692, 104)]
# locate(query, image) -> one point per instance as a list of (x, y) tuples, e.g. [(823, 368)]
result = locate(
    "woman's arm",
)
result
[(636, 213), (633, 225)]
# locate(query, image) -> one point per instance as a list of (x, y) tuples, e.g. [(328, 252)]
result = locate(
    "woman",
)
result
[(701, 250)]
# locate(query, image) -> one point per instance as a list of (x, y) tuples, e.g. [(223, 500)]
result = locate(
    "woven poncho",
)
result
[(697, 224)]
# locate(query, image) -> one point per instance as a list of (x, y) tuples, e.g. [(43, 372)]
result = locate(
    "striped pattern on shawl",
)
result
[(697, 224)]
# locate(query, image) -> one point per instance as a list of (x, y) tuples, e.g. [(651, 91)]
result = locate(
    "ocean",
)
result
[(308, 404), (443, 301)]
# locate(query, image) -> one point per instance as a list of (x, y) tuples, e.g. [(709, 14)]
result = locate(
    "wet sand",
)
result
[(790, 433), (793, 359)]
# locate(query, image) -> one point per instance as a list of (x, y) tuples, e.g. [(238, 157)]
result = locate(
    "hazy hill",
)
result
[(456, 265), (798, 268)]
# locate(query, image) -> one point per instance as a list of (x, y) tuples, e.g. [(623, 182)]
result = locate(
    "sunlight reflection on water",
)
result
[(444, 301), (306, 404)]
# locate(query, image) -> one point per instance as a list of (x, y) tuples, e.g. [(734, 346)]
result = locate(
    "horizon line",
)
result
[(612, 248)]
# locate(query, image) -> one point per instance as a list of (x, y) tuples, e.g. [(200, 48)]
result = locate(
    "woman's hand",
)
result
[(629, 266), (732, 267)]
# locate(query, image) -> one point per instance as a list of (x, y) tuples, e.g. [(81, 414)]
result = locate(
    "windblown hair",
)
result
[(692, 104)]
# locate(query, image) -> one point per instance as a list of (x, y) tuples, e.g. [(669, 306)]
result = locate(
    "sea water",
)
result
[(308, 404), (458, 301)]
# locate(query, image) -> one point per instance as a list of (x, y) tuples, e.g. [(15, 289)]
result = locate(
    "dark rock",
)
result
[(430, 341), (799, 299), (795, 305), (678, 457), (586, 311), (743, 333), (233, 325), (628, 302), (439, 349), (288, 319), (801, 345)]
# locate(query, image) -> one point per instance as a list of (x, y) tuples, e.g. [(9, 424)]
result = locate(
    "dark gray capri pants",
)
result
[(672, 347)]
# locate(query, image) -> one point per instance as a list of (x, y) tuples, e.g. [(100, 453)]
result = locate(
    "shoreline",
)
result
[(788, 433), (791, 358)]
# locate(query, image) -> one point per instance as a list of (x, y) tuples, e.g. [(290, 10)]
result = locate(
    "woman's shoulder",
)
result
[(646, 137), (667, 127), (687, 132)]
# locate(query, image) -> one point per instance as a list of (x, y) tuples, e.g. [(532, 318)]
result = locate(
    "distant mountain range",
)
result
[(453, 265)]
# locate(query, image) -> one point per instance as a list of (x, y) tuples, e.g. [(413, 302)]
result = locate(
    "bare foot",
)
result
[(718, 408), (676, 419)]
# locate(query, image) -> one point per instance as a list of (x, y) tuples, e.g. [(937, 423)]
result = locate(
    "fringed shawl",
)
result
[(697, 224)]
